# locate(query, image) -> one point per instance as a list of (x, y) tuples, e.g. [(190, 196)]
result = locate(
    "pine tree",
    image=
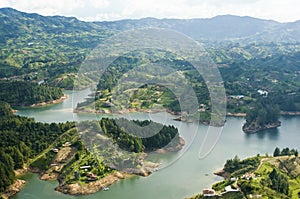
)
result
[(276, 152)]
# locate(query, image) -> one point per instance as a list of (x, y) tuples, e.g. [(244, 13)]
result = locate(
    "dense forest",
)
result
[(265, 113), (22, 139), (129, 136), (24, 93)]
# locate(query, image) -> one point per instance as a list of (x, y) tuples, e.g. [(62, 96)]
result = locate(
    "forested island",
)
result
[(264, 115), (258, 177)]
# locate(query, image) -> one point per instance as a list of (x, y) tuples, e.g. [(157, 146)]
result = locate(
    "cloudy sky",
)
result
[(99, 10)]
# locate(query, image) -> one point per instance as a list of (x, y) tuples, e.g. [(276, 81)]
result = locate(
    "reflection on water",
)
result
[(269, 134)]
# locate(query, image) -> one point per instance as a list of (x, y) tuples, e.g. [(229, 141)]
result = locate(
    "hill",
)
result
[(253, 55), (57, 45), (260, 177)]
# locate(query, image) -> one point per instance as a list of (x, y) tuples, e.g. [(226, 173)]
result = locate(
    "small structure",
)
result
[(248, 176), (66, 144), (41, 82), (55, 150), (85, 167), (230, 189), (238, 97), (208, 192), (92, 177), (233, 179), (263, 92)]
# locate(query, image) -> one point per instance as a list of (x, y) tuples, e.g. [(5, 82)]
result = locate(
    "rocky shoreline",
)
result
[(57, 101), (13, 189), (254, 128), (92, 187), (222, 174)]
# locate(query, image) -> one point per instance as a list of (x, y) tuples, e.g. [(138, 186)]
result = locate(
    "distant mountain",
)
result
[(216, 28), (58, 45), (219, 28)]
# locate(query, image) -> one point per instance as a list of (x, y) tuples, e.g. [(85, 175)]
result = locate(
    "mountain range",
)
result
[(226, 27)]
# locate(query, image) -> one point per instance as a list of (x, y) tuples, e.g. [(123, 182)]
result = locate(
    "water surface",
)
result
[(186, 176)]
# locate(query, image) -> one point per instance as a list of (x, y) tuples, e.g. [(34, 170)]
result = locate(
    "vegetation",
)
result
[(134, 139), (21, 140), (269, 177), (237, 167), (20, 93), (285, 152), (51, 49), (25, 142), (264, 114)]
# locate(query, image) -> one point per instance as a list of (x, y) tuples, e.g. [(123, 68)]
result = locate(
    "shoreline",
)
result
[(13, 189), (17, 186), (57, 101), (92, 187), (255, 129), (132, 110)]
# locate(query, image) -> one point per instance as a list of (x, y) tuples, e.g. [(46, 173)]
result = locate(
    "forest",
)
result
[(264, 113), (22, 139), (24, 93), (129, 136)]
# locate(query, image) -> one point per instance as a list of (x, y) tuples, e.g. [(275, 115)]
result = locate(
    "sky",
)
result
[(108, 10)]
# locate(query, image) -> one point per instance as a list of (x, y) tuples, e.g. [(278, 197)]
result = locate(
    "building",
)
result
[(208, 192), (263, 92)]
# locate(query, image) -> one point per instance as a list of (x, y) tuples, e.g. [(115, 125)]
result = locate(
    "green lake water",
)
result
[(186, 176)]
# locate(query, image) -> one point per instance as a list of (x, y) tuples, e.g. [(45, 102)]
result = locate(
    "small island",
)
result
[(258, 177), (264, 115)]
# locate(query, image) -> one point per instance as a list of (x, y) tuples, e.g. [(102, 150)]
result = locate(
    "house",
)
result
[(248, 176), (66, 144), (230, 189), (208, 192), (92, 177), (233, 179), (262, 92), (238, 97), (41, 82), (55, 150)]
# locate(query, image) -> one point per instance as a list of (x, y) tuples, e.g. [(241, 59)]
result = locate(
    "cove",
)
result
[(184, 177)]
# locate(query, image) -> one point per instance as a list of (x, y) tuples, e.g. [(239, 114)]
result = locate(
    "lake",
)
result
[(183, 173)]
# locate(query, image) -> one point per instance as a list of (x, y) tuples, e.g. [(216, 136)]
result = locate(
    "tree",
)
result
[(276, 152), (285, 151)]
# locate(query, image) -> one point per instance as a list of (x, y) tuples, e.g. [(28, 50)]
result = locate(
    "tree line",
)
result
[(21, 139), (285, 152), (23, 93), (130, 137)]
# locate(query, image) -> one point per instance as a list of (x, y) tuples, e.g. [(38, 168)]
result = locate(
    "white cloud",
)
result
[(280, 10)]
